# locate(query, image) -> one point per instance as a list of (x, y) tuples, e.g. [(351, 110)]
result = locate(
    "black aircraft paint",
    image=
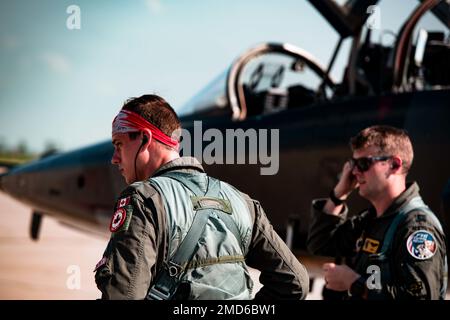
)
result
[(79, 188)]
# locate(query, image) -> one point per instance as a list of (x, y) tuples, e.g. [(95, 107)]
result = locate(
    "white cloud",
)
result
[(154, 6), (56, 62)]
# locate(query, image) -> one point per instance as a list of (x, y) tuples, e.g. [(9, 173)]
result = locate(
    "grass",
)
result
[(14, 159)]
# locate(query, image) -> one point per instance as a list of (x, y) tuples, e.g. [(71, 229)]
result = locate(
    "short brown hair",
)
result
[(388, 140), (157, 111)]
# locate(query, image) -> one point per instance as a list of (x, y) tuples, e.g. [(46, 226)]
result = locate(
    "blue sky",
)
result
[(66, 86)]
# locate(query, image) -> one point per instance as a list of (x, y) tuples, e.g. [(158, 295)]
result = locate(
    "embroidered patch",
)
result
[(371, 245), (121, 219), (118, 219), (415, 288), (421, 245), (101, 263), (123, 202)]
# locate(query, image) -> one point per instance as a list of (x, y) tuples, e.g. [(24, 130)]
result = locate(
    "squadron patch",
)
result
[(421, 244), (118, 219)]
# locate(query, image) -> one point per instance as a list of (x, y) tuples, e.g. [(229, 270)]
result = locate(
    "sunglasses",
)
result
[(364, 163)]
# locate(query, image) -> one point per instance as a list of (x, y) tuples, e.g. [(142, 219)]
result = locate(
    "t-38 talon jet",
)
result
[(280, 86)]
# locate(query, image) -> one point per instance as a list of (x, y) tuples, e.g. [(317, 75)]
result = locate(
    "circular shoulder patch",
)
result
[(421, 244), (118, 219)]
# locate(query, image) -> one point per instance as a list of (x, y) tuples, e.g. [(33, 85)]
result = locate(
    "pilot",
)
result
[(397, 248), (177, 233)]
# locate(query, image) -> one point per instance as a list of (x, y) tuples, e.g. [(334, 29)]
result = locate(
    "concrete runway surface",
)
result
[(39, 269), (49, 268)]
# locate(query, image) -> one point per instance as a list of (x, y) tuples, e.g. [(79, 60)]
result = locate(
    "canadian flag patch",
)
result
[(124, 201)]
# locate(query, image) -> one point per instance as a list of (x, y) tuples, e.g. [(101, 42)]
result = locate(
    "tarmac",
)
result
[(58, 266)]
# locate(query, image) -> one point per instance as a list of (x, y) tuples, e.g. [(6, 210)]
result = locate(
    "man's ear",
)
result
[(396, 163), (146, 137)]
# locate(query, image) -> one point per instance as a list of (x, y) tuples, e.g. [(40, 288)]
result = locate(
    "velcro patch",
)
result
[(121, 219), (118, 219), (421, 244), (101, 263), (371, 245), (123, 202)]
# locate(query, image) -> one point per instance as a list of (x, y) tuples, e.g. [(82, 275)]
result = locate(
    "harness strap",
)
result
[(168, 279), (205, 206), (415, 203), (210, 200)]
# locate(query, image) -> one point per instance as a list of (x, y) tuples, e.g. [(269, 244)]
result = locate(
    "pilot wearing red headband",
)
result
[(132, 155), (177, 233)]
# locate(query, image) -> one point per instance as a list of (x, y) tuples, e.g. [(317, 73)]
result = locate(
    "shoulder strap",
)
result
[(205, 205), (211, 196), (181, 178), (415, 203)]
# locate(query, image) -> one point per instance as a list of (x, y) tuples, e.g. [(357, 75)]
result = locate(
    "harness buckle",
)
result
[(156, 294), (174, 269)]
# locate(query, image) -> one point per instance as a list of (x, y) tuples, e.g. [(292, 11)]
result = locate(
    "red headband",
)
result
[(127, 121)]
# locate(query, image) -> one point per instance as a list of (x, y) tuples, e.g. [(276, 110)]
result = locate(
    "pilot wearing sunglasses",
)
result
[(396, 248)]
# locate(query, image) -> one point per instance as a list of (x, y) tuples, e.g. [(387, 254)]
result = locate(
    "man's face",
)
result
[(373, 182), (125, 150)]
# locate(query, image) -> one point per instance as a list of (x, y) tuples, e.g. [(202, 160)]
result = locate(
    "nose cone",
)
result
[(5, 178), (12, 183), (1, 179)]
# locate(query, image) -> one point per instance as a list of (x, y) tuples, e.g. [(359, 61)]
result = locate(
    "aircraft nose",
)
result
[(2, 175), (6, 182)]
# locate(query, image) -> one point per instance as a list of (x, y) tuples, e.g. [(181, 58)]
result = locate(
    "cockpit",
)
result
[(273, 77), (266, 79)]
